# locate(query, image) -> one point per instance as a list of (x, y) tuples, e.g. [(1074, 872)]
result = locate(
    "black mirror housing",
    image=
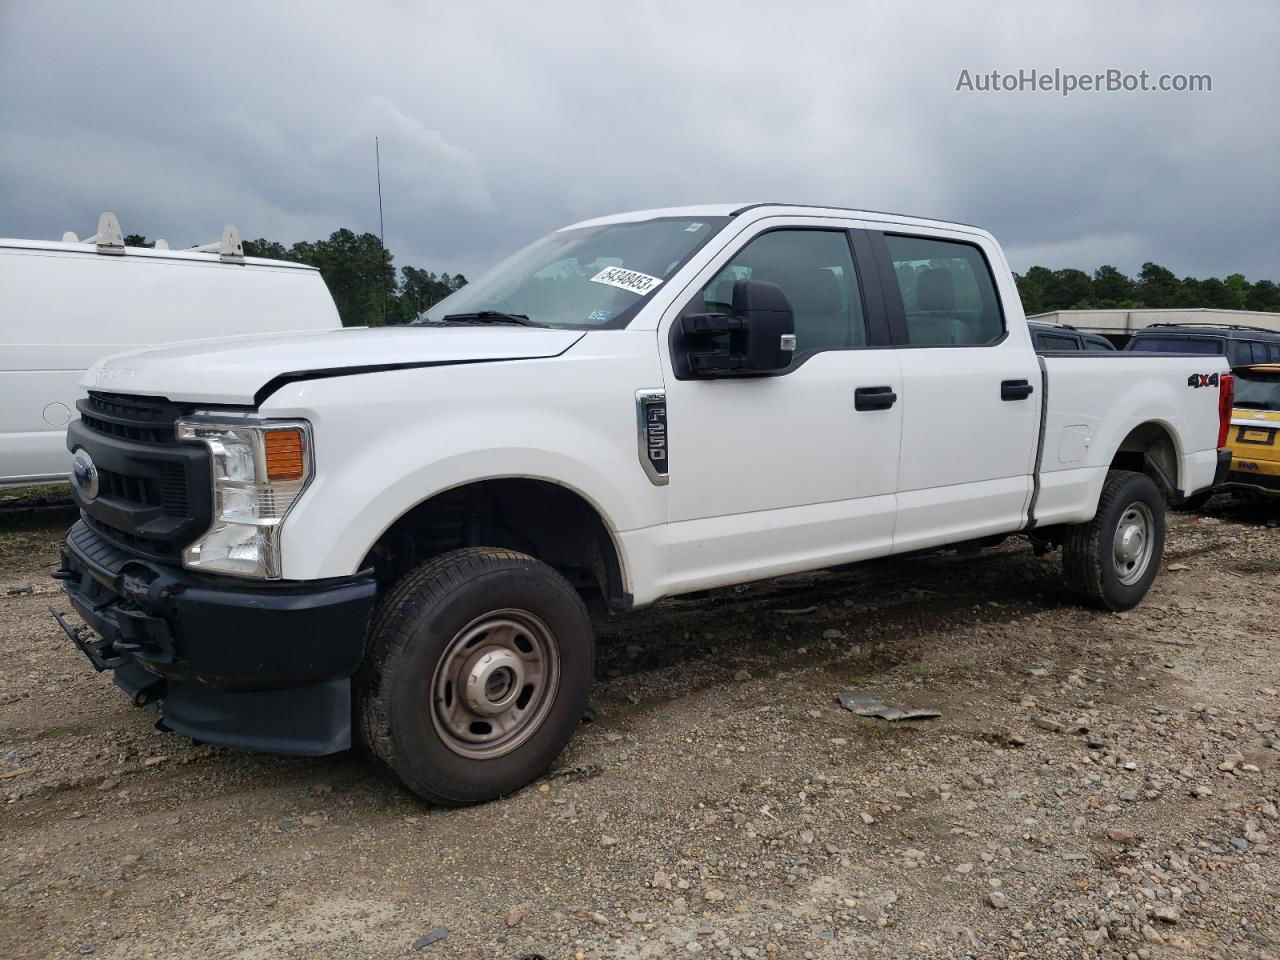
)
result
[(768, 342), (756, 340)]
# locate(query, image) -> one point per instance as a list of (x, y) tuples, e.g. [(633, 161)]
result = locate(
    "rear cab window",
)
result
[(947, 291)]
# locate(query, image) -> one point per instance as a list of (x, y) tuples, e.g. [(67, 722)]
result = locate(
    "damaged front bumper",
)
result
[(228, 662)]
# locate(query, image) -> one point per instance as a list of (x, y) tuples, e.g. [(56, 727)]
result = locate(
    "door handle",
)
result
[(1016, 390), (874, 398)]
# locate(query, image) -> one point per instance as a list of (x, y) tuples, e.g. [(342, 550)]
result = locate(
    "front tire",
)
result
[(1111, 561), (477, 674)]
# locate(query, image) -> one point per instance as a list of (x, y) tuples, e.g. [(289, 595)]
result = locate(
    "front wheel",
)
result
[(477, 673), (1111, 561)]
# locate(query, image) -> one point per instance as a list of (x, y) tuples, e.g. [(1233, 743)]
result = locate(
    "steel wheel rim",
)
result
[(1133, 544), (494, 684)]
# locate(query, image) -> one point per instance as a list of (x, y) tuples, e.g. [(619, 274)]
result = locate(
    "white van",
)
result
[(65, 305)]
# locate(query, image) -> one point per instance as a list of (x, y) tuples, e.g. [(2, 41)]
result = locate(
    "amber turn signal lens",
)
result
[(284, 455)]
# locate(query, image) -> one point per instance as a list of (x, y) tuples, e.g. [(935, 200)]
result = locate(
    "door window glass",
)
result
[(815, 270), (947, 292)]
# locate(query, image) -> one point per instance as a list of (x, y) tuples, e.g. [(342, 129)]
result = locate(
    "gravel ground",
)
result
[(1097, 785)]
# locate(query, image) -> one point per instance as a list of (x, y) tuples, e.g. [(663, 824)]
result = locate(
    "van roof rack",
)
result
[(229, 249), (110, 240)]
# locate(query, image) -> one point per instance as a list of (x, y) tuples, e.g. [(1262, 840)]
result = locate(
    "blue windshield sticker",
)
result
[(599, 316)]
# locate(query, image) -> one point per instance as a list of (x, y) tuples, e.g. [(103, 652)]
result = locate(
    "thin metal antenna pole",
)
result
[(382, 233)]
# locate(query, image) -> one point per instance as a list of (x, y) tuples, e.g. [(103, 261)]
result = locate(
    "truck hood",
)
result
[(246, 370)]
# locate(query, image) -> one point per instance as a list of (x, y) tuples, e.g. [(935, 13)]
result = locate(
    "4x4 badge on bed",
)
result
[(1199, 380)]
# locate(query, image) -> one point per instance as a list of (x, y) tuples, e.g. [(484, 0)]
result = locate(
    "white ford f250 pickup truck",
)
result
[(396, 529)]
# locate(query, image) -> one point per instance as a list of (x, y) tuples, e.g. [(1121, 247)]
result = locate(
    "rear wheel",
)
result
[(1111, 561), (479, 668)]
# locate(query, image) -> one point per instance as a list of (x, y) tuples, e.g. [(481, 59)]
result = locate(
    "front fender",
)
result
[(376, 457), (343, 545)]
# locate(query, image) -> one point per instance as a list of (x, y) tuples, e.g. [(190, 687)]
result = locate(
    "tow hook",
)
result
[(143, 689), (152, 691), (152, 595)]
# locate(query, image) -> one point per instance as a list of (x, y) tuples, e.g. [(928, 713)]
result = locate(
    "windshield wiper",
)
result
[(488, 316)]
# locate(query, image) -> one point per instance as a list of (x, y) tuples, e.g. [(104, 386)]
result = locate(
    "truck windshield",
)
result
[(1209, 345), (1257, 391), (586, 277)]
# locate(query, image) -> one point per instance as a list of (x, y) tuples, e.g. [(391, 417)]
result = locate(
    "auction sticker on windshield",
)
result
[(632, 280)]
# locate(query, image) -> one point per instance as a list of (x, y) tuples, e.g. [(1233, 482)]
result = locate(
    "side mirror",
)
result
[(757, 339)]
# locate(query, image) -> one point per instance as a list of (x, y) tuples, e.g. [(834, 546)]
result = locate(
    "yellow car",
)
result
[(1254, 436)]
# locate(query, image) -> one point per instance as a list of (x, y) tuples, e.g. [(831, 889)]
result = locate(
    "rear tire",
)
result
[(477, 674), (1111, 561)]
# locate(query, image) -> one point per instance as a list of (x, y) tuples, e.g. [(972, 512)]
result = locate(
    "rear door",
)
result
[(971, 388)]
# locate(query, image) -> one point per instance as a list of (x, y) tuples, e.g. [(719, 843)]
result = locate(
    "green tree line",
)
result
[(369, 291), (1155, 286), (360, 275)]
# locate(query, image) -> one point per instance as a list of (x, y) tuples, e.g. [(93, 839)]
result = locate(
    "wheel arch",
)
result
[(545, 518), (1152, 447)]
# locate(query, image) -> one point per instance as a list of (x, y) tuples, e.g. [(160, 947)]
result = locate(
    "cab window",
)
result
[(1239, 352), (1177, 344), (947, 290), (815, 270), (1057, 341)]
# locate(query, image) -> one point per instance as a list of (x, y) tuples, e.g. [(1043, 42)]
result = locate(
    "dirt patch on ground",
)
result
[(1098, 785)]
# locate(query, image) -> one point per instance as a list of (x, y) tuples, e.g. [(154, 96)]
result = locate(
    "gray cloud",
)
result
[(501, 121)]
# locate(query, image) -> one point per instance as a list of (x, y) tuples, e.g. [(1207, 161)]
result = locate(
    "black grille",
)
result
[(140, 419), (154, 494), (167, 489), (111, 429), (172, 487)]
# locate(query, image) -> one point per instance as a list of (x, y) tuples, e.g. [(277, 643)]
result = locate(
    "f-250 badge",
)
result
[(1199, 380)]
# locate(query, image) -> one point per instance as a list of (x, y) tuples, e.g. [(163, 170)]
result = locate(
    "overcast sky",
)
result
[(501, 122)]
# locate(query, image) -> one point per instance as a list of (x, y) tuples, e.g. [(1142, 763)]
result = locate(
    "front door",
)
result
[(796, 470)]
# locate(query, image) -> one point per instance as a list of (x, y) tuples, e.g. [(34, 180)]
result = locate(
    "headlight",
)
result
[(260, 467)]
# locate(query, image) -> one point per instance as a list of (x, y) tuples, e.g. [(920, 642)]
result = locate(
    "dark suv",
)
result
[(1241, 345)]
